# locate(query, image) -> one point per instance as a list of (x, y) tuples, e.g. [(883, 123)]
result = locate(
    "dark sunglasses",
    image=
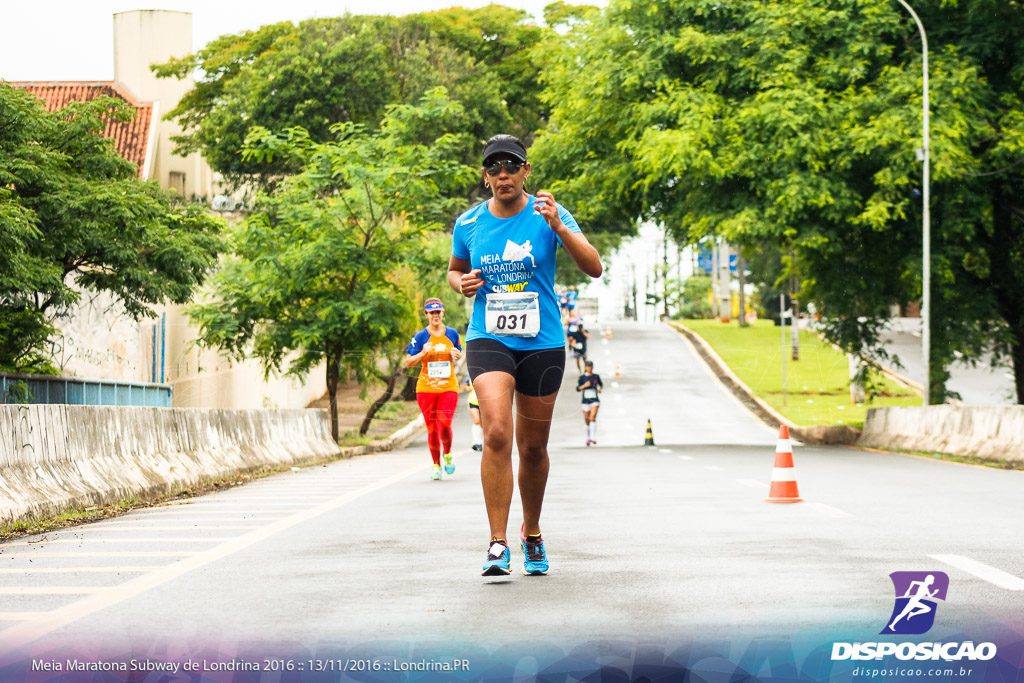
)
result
[(494, 168)]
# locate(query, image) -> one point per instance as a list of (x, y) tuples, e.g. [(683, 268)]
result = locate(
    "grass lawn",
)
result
[(817, 385)]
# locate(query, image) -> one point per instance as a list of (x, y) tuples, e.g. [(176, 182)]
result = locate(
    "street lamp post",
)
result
[(923, 155)]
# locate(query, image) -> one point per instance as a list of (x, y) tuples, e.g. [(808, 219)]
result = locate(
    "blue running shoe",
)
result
[(498, 558), (449, 466), (435, 473), (535, 560)]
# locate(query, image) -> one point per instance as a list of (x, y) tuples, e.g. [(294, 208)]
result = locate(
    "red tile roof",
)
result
[(130, 138)]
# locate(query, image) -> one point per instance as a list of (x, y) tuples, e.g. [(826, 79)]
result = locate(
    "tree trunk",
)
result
[(382, 399), (1018, 363), (412, 376), (332, 391), (856, 387)]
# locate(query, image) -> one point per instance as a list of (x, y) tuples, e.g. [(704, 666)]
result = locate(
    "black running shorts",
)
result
[(537, 373)]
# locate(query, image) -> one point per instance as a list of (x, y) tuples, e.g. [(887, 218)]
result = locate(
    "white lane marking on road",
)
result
[(615, 385), (664, 450), (14, 638), (40, 555), (752, 483), (50, 590), (76, 570), (197, 516), (241, 512), (136, 527), (826, 509), (994, 576), (41, 544), (713, 468), (686, 457), (235, 502)]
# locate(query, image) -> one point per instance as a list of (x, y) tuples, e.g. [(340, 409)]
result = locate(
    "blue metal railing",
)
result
[(84, 391)]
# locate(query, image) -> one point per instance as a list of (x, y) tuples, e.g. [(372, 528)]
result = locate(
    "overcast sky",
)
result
[(49, 40)]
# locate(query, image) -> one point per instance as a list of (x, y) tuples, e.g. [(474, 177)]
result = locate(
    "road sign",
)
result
[(704, 260)]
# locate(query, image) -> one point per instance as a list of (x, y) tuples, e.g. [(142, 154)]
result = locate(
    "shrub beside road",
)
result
[(817, 385)]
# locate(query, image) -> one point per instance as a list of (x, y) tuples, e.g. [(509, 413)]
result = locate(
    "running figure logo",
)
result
[(916, 595), (519, 253)]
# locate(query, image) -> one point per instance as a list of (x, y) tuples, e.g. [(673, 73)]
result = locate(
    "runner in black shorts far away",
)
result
[(578, 337), (503, 251), (590, 386)]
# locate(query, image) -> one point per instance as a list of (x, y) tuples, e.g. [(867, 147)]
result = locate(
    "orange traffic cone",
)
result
[(783, 488), (618, 370), (607, 331)]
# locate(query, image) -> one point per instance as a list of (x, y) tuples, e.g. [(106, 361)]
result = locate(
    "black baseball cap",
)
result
[(506, 144)]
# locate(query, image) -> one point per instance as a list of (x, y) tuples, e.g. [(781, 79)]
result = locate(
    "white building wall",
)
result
[(98, 339), (143, 38)]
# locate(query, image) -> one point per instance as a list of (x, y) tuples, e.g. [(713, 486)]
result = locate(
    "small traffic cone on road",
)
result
[(649, 439), (618, 370), (783, 488), (608, 332)]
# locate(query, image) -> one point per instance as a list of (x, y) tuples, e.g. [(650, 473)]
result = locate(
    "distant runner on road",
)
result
[(515, 344), (590, 387), (578, 337), (436, 348), (474, 413)]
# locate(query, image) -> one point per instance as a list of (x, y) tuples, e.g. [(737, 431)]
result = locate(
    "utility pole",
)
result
[(924, 155), (636, 313), (664, 280), (741, 276), (795, 328), (782, 319), (725, 289)]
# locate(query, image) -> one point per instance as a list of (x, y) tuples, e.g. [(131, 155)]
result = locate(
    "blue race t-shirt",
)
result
[(515, 254)]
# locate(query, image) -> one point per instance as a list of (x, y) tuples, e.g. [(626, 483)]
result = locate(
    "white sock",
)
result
[(593, 430), (478, 434), (586, 426)]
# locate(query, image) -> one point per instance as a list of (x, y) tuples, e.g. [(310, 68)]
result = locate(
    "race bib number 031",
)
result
[(512, 314)]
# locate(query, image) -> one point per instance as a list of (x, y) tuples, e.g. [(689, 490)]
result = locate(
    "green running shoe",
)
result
[(449, 466)]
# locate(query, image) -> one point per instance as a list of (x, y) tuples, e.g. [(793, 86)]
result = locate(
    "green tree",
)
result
[(75, 216), (696, 291), (350, 69), (795, 124), (319, 271)]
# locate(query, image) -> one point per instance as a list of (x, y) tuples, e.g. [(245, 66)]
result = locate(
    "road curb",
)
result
[(398, 439), (818, 435)]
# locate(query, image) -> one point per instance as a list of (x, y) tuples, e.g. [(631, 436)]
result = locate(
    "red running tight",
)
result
[(438, 410)]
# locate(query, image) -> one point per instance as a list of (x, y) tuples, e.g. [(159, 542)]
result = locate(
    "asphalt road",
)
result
[(979, 385), (662, 544)]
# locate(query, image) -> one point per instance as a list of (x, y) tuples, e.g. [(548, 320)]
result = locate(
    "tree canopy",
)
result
[(325, 267), (795, 124), (349, 70), (75, 216)]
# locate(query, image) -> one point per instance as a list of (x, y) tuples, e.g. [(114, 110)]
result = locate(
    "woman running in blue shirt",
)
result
[(503, 251)]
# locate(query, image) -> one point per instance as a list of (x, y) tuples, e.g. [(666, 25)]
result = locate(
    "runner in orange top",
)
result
[(436, 348)]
